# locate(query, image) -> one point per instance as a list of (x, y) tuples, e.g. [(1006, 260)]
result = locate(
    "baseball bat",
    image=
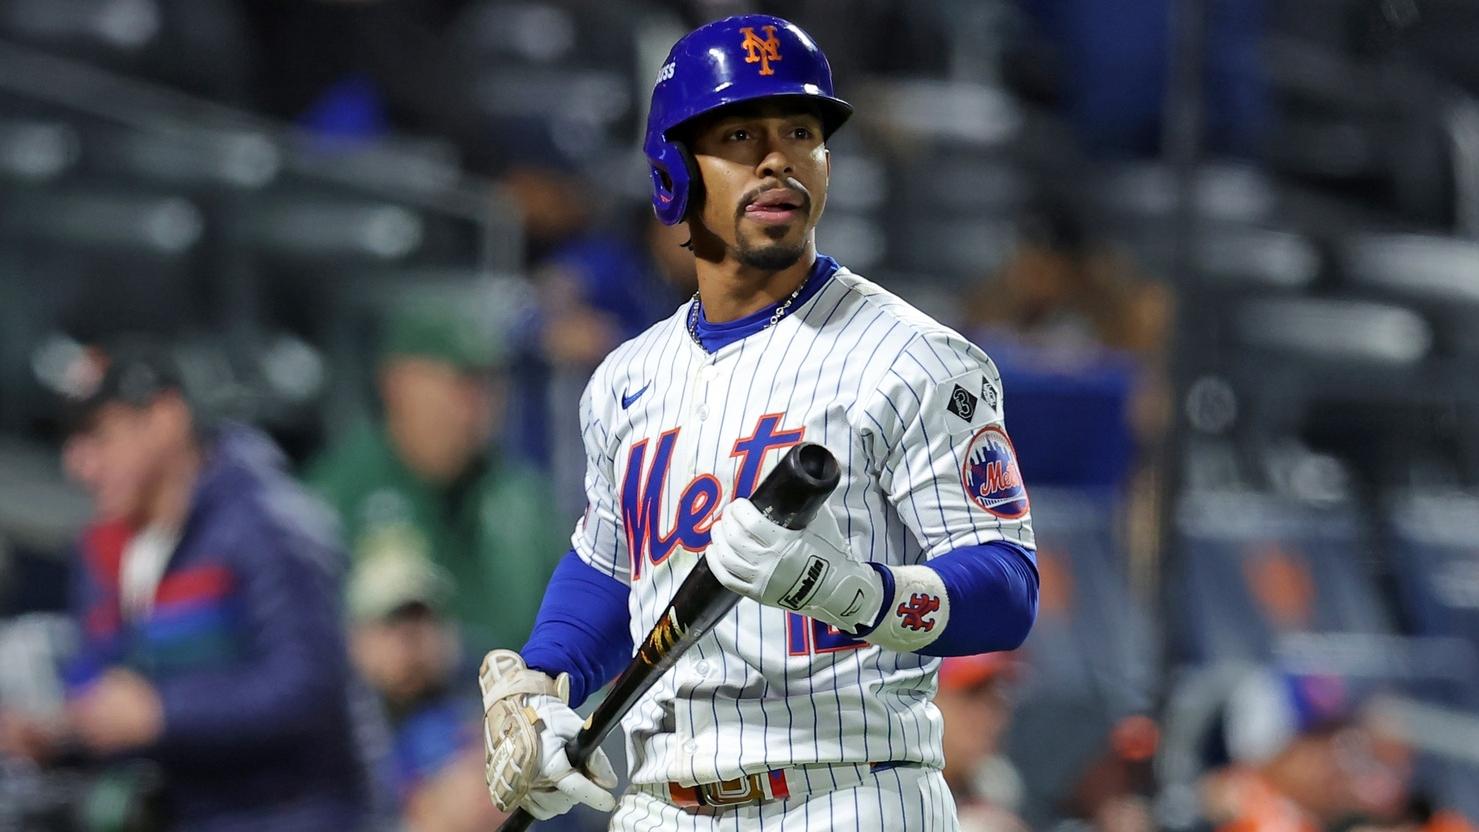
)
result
[(790, 496)]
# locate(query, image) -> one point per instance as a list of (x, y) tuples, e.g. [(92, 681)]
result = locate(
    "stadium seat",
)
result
[(1254, 568)]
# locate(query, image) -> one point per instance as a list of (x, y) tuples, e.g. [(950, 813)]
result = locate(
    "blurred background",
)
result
[(1225, 253)]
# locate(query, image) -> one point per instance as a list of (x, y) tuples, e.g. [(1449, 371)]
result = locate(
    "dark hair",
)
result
[(1053, 225), (137, 374)]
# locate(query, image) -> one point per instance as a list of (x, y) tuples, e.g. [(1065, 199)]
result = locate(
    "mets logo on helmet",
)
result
[(761, 50), (991, 477)]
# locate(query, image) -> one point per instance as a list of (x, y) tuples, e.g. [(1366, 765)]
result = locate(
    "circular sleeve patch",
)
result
[(991, 477)]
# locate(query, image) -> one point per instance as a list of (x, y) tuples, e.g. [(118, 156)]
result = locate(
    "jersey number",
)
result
[(809, 637)]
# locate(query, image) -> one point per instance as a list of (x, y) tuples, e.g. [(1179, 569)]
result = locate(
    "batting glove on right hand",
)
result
[(526, 725), (793, 569)]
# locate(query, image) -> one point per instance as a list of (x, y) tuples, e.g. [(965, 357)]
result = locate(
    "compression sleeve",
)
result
[(583, 628), (992, 589)]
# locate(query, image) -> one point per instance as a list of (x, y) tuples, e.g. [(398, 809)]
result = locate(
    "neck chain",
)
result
[(775, 317)]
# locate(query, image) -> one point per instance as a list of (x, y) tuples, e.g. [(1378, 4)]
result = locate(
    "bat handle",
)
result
[(519, 821)]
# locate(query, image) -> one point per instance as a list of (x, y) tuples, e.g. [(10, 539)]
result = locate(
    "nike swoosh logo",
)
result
[(626, 401)]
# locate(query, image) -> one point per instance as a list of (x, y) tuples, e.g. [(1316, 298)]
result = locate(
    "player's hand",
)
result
[(526, 724), (794, 569), (559, 785)]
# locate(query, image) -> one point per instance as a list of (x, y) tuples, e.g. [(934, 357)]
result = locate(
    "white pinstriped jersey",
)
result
[(913, 414)]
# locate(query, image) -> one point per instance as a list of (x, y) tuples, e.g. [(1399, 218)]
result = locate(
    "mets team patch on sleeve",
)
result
[(990, 475)]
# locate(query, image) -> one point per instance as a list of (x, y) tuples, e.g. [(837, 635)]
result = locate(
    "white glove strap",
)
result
[(918, 612), (504, 674)]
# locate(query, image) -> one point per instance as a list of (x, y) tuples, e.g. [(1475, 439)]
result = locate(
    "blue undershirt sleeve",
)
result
[(992, 589), (583, 628)]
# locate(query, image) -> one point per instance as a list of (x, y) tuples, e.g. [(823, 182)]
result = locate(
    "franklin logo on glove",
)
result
[(802, 591)]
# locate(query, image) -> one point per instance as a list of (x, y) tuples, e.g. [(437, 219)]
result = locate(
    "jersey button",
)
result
[(703, 412), (702, 668), (690, 746)]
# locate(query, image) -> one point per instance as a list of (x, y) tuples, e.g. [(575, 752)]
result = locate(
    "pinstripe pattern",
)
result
[(865, 374), (913, 799)]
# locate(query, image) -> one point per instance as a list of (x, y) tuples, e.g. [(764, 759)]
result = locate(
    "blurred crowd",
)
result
[(299, 296)]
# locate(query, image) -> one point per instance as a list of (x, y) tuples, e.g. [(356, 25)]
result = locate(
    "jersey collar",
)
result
[(715, 337)]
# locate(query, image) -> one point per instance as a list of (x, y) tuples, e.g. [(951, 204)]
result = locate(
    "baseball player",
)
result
[(809, 705)]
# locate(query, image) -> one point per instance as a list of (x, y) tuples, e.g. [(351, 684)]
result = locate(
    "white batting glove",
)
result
[(527, 723), (559, 786), (793, 569)]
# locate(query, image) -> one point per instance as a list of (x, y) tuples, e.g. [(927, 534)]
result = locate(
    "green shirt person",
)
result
[(424, 481)]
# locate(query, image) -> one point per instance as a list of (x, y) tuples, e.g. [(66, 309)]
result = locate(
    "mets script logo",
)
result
[(649, 538), (761, 50), (991, 477), (913, 613)]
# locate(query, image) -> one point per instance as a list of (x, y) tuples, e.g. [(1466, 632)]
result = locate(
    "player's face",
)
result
[(765, 172)]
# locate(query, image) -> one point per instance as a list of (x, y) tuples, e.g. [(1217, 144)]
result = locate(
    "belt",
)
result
[(776, 784)]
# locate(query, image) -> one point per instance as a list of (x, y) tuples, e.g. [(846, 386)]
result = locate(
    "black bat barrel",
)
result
[(793, 493)]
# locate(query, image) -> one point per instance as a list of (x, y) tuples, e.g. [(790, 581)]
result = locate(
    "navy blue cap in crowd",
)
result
[(134, 374)]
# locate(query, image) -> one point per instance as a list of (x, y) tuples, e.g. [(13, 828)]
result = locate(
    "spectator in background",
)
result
[(424, 478), (600, 290), (207, 596), (404, 645), (1079, 340), (975, 700), (1065, 292), (597, 291), (1297, 752)]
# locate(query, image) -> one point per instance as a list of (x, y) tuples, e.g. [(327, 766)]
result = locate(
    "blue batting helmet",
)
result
[(731, 60)]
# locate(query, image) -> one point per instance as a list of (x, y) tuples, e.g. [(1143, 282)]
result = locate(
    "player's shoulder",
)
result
[(927, 346), (634, 358)]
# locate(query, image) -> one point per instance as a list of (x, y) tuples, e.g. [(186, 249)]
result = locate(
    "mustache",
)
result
[(790, 185)]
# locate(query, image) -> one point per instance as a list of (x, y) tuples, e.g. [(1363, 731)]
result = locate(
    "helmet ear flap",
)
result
[(675, 181), (695, 195)]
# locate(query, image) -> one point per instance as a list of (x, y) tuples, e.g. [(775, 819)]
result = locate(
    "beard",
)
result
[(771, 256)]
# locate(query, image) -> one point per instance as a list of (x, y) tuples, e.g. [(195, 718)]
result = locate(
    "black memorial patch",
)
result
[(962, 403)]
